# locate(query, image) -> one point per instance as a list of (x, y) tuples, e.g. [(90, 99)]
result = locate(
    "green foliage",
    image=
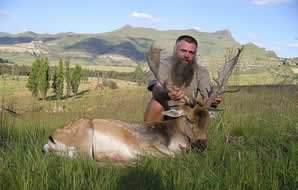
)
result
[(109, 83), (139, 75), (54, 79), (284, 74), (76, 78), (67, 77), (44, 77), (33, 79), (60, 80), (39, 77), (84, 75), (4, 60)]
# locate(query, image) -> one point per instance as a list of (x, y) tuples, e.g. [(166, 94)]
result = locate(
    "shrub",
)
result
[(109, 83)]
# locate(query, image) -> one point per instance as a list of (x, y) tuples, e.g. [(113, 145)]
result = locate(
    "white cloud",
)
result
[(144, 16), (266, 2), (294, 45), (3, 13)]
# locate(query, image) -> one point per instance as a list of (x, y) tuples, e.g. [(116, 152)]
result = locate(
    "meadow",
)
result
[(253, 142)]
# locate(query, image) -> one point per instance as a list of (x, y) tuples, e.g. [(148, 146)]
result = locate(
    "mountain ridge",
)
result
[(131, 42)]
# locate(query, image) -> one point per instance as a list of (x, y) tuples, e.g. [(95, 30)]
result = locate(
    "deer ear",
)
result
[(200, 115)]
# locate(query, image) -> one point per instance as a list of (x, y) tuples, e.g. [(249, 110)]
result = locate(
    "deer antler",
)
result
[(223, 76), (153, 60)]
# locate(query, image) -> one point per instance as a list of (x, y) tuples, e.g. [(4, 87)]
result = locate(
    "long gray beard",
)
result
[(182, 73)]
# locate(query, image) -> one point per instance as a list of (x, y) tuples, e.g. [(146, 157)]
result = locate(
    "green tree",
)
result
[(84, 75), (43, 77), (139, 74), (67, 77), (32, 83), (60, 80), (54, 80), (76, 78)]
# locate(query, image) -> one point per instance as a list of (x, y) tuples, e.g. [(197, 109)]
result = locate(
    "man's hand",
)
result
[(161, 88), (217, 100), (175, 93)]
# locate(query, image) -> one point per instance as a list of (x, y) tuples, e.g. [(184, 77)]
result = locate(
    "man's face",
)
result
[(185, 52)]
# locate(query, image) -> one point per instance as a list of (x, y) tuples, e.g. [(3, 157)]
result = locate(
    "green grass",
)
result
[(260, 123), (263, 78)]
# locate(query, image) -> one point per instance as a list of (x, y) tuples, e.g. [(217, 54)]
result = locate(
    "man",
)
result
[(179, 75)]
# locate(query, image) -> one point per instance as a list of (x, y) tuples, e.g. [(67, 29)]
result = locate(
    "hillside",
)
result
[(126, 46)]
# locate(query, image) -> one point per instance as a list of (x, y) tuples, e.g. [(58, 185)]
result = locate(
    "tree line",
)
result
[(40, 79), (138, 75)]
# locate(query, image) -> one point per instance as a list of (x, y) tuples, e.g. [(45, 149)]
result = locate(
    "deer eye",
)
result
[(189, 120)]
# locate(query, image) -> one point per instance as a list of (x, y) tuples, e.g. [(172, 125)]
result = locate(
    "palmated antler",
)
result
[(153, 60), (223, 76)]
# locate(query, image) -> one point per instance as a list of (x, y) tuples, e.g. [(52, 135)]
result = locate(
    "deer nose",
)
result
[(199, 145)]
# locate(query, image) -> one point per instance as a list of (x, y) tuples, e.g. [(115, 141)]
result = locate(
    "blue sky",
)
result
[(272, 24)]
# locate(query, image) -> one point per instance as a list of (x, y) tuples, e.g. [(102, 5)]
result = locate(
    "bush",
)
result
[(109, 83)]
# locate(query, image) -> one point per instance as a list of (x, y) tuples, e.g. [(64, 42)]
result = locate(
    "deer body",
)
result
[(102, 139)]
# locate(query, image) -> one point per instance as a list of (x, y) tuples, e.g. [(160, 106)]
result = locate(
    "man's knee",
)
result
[(153, 112), (155, 106)]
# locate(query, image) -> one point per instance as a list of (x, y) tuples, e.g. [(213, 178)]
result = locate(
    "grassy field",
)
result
[(110, 68), (253, 143)]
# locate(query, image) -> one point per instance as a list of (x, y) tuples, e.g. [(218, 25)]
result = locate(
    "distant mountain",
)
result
[(128, 43)]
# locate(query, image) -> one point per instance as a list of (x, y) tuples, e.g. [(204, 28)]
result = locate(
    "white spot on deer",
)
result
[(112, 147)]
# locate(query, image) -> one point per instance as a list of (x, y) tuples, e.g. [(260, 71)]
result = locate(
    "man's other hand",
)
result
[(217, 100)]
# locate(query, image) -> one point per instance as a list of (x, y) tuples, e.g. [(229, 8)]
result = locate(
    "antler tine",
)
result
[(216, 81), (223, 75), (230, 91)]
